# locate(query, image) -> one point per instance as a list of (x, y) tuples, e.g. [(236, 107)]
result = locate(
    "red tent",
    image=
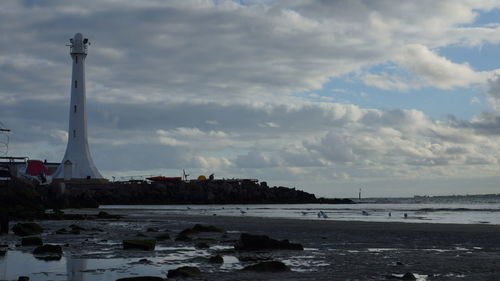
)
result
[(35, 167)]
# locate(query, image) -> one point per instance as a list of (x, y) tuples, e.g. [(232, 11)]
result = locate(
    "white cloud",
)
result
[(388, 82), (475, 100), (59, 136), (438, 71)]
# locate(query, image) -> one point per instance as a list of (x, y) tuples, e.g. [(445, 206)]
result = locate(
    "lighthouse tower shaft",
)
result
[(77, 162)]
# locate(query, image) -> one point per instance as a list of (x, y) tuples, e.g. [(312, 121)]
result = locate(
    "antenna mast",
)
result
[(4, 140)]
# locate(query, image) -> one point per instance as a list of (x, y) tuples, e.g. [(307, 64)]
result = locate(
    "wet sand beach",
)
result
[(333, 250)]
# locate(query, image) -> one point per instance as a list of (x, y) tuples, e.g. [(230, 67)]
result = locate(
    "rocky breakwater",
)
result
[(180, 192)]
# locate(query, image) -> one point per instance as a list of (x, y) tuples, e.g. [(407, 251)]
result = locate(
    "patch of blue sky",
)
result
[(463, 103), (485, 18), (481, 58)]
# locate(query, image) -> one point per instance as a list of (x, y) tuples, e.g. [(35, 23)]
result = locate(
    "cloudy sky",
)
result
[(395, 97)]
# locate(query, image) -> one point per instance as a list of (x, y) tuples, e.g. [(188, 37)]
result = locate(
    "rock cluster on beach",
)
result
[(179, 192), (19, 200)]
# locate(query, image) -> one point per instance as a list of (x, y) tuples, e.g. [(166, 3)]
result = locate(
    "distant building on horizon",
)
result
[(77, 162)]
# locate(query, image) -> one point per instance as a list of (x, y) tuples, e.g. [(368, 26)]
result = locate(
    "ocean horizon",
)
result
[(477, 209)]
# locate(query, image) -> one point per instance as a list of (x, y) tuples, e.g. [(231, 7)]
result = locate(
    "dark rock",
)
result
[(140, 235), (19, 200), (408, 276), (31, 241), (62, 231), (141, 278), (183, 238), (184, 271), (268, 266), (65, 231), (23, 278), (143, 261), (48, 252), (51, 257), (163, 236), (200, 228), (2, 253), (76, 227), (253, 259), (216, 259), (106, 215), (48, 249), (249, 242), (202, 245), (152, 229), (27, 229), (146, 244)]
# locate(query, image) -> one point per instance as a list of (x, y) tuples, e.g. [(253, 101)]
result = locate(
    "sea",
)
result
[(469, 209)]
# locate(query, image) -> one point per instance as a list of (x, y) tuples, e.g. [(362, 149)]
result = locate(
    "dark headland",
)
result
[(19, 197)]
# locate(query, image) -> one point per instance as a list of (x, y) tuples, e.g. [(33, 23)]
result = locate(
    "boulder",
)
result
[(197, 228), (202, 245), (48, 249), (144, 244), (76, 227), (250, 242), (141, 278), (254, 259), (23, 278), (106, 215), (268, 266), (216, 259), (31, 241), (408, 276), (184, 271), (48, 252), (27, 229), (183, 238), (163, 236)]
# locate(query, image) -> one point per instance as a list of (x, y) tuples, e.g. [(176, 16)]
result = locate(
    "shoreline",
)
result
[(355, 223), (457, 214)]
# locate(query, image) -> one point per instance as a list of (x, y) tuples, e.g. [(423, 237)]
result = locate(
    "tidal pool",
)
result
[(17, 263)]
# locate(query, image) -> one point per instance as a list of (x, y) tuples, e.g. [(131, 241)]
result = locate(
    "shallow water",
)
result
[(16, 263), (73, 267), (462, 213)]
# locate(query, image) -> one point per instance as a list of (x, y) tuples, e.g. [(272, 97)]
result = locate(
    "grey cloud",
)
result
[(255, 159)]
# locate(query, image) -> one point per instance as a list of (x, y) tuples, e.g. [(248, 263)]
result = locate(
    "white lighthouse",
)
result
[(77, 162)]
